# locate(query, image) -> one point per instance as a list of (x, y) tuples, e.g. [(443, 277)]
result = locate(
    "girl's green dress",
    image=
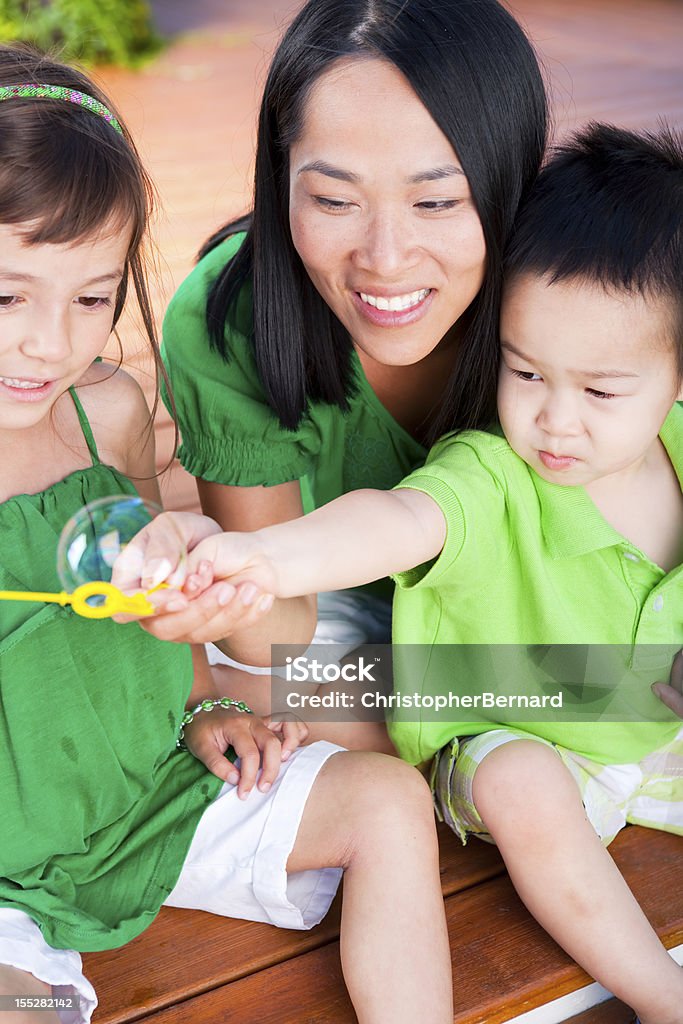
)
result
[(98, 805)]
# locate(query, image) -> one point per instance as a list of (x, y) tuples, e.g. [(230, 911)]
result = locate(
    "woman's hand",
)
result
[(188, 552), (157, 554), (257, 742), (671, 693)]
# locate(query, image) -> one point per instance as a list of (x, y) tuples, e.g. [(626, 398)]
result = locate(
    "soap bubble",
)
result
[(93, 539)]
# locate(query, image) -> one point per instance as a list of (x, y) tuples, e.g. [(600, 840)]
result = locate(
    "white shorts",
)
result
[(346, 618), (235, 866), (649, 793)]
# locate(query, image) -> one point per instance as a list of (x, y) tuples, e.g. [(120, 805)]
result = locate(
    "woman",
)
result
[(324, 342)]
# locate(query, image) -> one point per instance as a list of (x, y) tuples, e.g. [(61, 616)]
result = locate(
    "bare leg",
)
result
[(14, 982), (372, 815), (353, 735), (531, 805)]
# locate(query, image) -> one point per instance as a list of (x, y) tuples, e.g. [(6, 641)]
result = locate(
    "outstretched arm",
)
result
[(359, 537)]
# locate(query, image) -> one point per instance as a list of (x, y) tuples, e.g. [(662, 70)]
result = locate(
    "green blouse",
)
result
[(98, 806), (230, 435)]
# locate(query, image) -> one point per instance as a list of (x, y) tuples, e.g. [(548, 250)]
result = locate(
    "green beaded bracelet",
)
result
[(208, 705)]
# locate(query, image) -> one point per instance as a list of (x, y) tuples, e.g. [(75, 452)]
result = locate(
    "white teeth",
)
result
[(26, 385), (397, 303)]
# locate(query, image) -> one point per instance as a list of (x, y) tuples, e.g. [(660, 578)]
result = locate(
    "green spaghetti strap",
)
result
[(85, 427)]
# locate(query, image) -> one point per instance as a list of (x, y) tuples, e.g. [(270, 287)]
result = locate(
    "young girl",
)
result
[(563, 528), (100, 807)]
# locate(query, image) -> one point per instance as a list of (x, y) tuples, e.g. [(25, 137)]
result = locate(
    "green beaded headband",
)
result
[(59, 92)]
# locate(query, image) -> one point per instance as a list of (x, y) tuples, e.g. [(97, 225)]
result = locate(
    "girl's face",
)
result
[(56, 310), (381, 213)]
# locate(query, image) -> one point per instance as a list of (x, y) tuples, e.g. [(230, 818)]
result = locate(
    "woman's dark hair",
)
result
[(608, 209), (474, 70), (67, 174)]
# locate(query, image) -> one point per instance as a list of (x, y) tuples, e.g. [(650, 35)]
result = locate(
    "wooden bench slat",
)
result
[(610, 1012), (495, 927), (187, 952), (486, 965), (463, 867), (488, 927)]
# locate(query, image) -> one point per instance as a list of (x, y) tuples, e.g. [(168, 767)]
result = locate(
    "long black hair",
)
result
[(473, 68)]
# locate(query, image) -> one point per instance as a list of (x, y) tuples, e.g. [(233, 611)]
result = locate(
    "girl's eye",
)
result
[(334, 205), (436, 205), (526, 375), (93, 301), (7, 300), (599, 394)]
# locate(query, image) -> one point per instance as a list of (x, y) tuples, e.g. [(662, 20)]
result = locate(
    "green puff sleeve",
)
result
[(229, 433)]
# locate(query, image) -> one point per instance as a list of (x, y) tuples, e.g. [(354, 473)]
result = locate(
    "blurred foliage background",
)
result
[(91, 31)]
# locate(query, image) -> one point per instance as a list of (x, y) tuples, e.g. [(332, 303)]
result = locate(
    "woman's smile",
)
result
[(395, 310)]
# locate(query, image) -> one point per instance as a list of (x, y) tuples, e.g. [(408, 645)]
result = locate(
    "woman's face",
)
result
[(381, 213)]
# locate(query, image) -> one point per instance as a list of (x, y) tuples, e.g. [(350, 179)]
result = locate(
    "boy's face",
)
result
[(587, 377)]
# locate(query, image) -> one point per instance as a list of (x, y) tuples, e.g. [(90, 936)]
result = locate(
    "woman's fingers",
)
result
[(218, 612), (254, 742), (671, 693), (670, 696), (157, 554)]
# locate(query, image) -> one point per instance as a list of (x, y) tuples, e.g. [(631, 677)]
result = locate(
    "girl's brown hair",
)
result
[(67, 174)]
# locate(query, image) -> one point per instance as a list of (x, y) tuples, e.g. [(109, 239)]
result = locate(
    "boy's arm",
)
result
[(361, 536)]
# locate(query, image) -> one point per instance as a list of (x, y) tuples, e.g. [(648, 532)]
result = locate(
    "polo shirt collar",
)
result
[(571, 522), (672, 438)]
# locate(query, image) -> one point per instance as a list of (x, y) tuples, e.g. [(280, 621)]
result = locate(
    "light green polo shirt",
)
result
[(527, 562)]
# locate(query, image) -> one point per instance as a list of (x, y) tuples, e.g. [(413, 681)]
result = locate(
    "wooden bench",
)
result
[(198, 968)]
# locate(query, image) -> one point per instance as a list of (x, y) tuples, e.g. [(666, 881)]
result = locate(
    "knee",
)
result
[(520, 783), (393, 800)]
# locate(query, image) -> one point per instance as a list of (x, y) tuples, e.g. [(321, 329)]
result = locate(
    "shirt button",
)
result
[(631, 557), (658, 603)]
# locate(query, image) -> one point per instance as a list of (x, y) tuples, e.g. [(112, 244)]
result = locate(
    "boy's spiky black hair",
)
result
[(607, 208)]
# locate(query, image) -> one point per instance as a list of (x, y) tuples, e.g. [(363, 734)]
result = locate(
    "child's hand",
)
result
[(671, 693), (200, 605), (255, 742), (291, 731)]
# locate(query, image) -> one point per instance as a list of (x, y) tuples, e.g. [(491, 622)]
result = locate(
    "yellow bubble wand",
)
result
[(115, 601), (106, 521)]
